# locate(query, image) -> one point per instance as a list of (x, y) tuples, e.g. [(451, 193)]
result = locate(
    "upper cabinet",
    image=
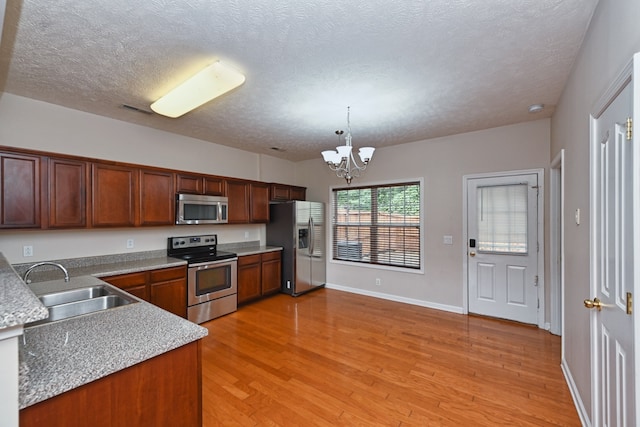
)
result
[(68, 190), (259, 206), (198, 184), (238, 194), (283, 193), (20, 179), (113, 195), (248, 201), (46, 190), (156, 198)]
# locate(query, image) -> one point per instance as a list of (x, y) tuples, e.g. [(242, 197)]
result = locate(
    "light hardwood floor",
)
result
[(333, 358)]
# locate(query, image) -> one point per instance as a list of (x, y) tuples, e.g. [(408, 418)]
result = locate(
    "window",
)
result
[(378, 224), (502, 219)]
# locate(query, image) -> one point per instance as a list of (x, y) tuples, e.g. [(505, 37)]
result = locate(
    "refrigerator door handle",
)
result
[(312, 236)]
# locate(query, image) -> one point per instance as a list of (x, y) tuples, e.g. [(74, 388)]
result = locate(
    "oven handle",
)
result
[(212, 263)]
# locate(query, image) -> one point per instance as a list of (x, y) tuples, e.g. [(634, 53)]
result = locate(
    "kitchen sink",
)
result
[(75, 302), (74, 295)]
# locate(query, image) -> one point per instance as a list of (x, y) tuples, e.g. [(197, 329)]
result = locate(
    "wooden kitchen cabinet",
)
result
[(113, 195), (165, 288), (238, 195), (68, 189), (156, 192), (20, 190), (271, 272), (259, 275), (284, 193), (259, 206), (199, 184), (249, 278), (165, 390), (168, 289)]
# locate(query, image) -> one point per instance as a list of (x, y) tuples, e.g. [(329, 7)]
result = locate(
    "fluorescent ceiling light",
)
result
[(209, 83)]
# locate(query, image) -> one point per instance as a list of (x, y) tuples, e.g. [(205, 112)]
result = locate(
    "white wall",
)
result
[(27, 123), (612, 39), (441, 163)]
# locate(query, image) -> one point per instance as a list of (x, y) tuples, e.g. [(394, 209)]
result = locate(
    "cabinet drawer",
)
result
[(269, 256), (125, 281), (248, 260), (168, 274)]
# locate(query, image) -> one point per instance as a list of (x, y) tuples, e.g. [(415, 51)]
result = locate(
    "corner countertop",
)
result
[(59, 356), (18, 305)]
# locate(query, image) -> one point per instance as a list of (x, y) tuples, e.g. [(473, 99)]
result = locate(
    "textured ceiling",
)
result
[(410, 70)]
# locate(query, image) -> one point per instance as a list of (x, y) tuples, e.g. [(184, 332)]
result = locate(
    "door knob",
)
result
[(595, 303), (472, 253)]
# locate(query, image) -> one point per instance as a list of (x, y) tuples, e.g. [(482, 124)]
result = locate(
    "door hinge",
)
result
[(629, 128), (535, 281), (629, 303)]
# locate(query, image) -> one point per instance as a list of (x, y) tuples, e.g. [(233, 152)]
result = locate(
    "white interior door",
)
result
[(614, 196), (502, 224)]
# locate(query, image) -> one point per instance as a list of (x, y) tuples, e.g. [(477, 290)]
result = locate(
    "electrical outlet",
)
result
[(129, 243), (27, 251), (246, 234), (377, 281), (447, 240)]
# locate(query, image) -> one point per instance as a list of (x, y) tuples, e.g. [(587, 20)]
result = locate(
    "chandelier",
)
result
[(341, 161)]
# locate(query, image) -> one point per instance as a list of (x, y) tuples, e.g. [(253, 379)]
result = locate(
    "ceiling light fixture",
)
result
[(342, 161), (536, 108), (211, 82)]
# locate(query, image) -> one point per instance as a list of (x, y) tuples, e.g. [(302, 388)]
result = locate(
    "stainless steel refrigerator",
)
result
[(299, 227)]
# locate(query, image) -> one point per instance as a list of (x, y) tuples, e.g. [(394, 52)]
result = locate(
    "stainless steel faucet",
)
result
[(38, 264)]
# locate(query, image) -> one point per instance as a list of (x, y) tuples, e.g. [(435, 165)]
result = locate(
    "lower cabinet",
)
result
[(259, 275), (165, 390), (165, 288)]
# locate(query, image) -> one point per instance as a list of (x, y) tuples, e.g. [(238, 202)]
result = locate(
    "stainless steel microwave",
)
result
[(198, 209)]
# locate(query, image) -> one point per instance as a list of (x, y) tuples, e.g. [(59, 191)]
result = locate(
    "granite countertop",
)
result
[(59, 356), (252, 250), (18, 305)]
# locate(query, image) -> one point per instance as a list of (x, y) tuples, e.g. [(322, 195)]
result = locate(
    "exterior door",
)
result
[(614, 196), (502, 216)]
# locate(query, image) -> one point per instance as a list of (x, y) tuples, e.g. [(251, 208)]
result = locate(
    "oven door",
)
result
[(211, 280)]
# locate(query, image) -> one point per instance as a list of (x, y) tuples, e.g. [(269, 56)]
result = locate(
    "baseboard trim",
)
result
[(573, 389), (412, 301)]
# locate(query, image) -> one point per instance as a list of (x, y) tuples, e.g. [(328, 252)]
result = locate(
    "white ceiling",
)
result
[(410, 70)]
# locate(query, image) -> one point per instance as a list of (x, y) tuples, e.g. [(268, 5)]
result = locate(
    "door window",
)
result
[(502, 219)]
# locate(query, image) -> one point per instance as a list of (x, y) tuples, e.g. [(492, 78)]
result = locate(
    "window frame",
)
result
[(380, 266)]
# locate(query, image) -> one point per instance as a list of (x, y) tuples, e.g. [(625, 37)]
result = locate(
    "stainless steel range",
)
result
[(212, 287)]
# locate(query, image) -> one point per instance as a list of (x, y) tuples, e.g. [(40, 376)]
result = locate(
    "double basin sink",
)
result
[(76, 302)]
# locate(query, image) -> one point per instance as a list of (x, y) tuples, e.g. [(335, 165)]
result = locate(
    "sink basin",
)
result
[(73, 295), (76, 308), (75, 302)]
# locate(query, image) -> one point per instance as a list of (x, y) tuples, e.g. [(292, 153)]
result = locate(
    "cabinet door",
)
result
[(113, 195), (157, 205), (249, 278), (168, 289), (298, 193), (68, 193), (238, 194), (271, 272), (280, 192), (214, 186), (20, 191), (170, 296), (191, 184), (259, 202)]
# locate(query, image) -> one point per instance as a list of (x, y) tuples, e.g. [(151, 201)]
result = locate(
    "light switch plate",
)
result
[(447, 240)]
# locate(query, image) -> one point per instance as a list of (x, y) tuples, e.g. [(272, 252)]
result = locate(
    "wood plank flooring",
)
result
[(332, 358)]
